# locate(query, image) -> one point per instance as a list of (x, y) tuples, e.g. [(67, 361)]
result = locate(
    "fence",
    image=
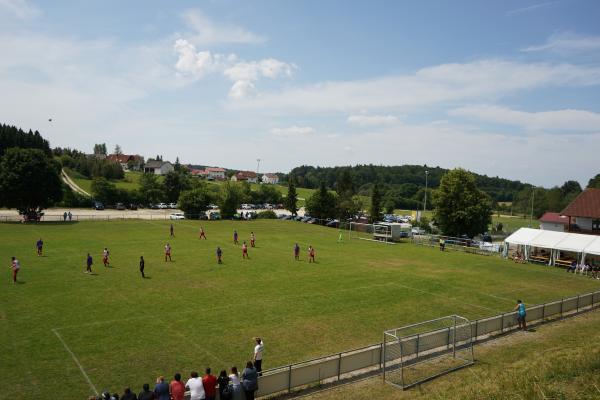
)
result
[(361, 361), (458, 244)]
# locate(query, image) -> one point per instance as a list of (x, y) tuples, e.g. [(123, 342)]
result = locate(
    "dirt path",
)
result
[(67, 179)]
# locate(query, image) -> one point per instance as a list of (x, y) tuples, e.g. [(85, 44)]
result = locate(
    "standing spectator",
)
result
[(219, 255), (210, 385), (89, 263), (236, 386), (65, 216), (177, 388), (235, 237), (311, 254), (128, 395), (146, 394), (258, 355), (161, 390), (15, 266), (168, 252), (39, 245), (224, 389), (252, 239), (142, 266), (172, 231), (249, 381), (105, 254), (194, 384), (245, 251), (297, 252), (521, 314), (442, 244), (70, 216)]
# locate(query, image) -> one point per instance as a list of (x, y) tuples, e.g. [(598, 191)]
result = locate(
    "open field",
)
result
[(558, 361), (193, 313), (131, 180)]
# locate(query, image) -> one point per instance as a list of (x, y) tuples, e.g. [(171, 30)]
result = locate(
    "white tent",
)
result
[(547, 239), (575, 242), (523, 236), (592, 248)]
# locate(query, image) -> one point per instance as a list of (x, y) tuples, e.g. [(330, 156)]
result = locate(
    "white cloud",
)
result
[(484, 79), (372, 120), (22, 9), (567, 42), (293, 131), (531, 8), (565, 121), (243, 74), (208, 32)]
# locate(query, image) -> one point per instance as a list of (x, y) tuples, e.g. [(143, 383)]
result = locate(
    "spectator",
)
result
[(194, 384), (224, 389), (161, 390), (65, 216), (146, 394), (236, 385), (210, 385), (128, 395), (573, 267), (177, 388), (249, 381), (258, 355), (521, 314), (70, 216)]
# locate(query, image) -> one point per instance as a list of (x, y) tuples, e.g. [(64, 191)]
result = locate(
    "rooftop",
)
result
[(587, 204)]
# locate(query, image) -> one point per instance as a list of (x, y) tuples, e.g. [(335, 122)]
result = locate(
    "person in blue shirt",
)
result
[(521, 313)]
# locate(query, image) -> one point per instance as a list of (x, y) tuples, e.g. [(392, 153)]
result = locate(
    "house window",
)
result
[(596, 225)]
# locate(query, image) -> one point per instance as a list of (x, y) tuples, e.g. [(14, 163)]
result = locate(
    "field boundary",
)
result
[(85, 375)]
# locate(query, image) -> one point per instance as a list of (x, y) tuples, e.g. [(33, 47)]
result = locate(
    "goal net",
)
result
[(416, 353), (376, 232)]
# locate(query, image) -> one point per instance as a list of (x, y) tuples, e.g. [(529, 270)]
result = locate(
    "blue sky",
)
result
[(503, 88)]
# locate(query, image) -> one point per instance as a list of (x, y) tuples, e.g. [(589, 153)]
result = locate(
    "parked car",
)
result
[(172, 205), (214, 215), (333, 223), (306, 218), (120, 206), (312, 221), (298, 218), (98, 206), (246, 207), (162, 206), (177, 215), (486, 237), (418, 231), (213, 206)]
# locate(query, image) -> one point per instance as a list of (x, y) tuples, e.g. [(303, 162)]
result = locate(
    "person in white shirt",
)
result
[(195, 386), (258, 355), (15, 266), (236, 384)]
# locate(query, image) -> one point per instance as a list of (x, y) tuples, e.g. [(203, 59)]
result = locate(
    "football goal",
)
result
[(375, 232), (416, 353)]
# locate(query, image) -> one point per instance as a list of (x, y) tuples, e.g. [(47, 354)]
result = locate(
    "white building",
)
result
[(552, 221), (272, 179), (217, 174), (158, 167)]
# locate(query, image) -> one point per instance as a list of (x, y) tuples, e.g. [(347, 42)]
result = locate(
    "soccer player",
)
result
[(219, 255), (105, 254), (245, 251), (89, 263), (235, 237), (311, 254), (15, 266), (172, 231), (202, 234), (259, 349), (340, 237), (39, 245), (297, 252), (252, 239), (142, 265), (521, 314), (168, 252)]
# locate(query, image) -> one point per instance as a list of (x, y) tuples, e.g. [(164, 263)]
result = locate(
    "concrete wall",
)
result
[(549, 226)]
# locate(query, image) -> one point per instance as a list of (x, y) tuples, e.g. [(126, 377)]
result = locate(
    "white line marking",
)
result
[(87, 378)]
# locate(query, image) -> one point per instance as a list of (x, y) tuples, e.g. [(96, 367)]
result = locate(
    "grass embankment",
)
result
[(193, 313)]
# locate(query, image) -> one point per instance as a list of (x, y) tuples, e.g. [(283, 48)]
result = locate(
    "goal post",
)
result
[(374, 232), (417, 353)]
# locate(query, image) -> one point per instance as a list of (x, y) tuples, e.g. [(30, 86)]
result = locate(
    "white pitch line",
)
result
[(85, 375)]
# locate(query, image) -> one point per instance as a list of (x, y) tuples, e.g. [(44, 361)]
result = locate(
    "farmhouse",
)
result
[(272, 179), (584, 212), (247, 176), (158, 167), (217, 174), (552, 221), (199, 173), (129, 162)]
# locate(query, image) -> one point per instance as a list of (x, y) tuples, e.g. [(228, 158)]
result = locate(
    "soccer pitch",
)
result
[(60, 327)]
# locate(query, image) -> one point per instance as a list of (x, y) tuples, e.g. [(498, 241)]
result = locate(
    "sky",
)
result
[(509, 89)]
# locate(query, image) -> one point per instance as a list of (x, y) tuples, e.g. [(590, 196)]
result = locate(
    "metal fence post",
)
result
[(577, 303), (290, 379), (448, 339), (454, 339), (502, 324), (561, 307), (476, 329), (543, 311), (339, 366), (417, 355)]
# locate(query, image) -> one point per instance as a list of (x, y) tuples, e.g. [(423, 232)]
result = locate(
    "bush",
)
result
[(74, 199), (269, 214)]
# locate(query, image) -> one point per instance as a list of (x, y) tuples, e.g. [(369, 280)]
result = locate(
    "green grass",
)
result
[(513, 223), (192, 313), (131, 180)]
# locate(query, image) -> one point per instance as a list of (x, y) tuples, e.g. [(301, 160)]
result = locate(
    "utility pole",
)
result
[(532, 200), (425, 202), (257, 168)]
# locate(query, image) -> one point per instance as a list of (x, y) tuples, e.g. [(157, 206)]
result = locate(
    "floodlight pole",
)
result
[(532, 200), (257, 166), (425, 202)]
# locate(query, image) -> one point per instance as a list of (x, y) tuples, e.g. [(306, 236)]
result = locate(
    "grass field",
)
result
[(131, 180), (192, 313)]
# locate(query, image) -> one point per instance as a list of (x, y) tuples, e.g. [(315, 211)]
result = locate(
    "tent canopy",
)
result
[(523, 236), (593, 248), (564, 241), (547, 239), (575, 242)]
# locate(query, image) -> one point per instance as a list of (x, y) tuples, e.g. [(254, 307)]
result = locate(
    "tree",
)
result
[(104, 191), (230, 199), (174, 183), (151, 191), (100, 149), (376, 197), (29, 180), (118, 150), (570, 187), (291, 200), (322, 204), (594, 182), (460, 207), (194, 202)]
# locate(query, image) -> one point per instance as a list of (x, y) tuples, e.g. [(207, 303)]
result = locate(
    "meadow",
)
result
[(191, 313)]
